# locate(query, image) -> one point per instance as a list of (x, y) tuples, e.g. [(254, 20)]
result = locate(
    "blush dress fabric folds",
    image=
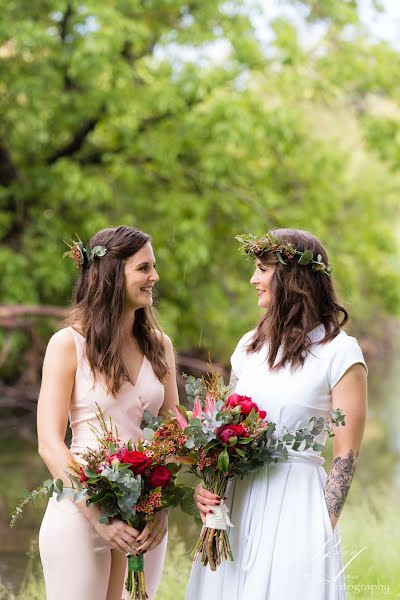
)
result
[(75, 558)]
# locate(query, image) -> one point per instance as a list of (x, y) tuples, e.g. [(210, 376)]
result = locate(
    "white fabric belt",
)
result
[(305, 458)]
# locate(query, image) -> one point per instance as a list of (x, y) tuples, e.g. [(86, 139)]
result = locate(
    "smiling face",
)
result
[(140, 277), (261, 279)]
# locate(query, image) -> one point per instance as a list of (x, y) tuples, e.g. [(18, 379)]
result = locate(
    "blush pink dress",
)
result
[(76, 559)]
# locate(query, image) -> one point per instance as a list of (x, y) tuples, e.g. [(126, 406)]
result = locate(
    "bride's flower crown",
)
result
[(284, 251), (79, 253)]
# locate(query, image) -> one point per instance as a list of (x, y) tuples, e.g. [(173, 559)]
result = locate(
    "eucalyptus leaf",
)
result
[(148, 434), (80, 495), (66, 493), (104, 520), (279, 257), (306, 257), (318, 447), (58, 486), (99, 251)]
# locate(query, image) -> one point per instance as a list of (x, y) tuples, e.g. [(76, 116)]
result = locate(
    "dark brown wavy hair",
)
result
[(301, 299), (97, 306)]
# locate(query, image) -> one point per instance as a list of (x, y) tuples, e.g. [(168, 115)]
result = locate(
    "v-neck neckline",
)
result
[(134, 385), (139, 373)]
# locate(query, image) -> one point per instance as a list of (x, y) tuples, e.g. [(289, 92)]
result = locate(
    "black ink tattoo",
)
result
[(338, 482), (233, 380)]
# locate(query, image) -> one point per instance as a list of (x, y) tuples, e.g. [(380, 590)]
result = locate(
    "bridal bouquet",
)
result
[(129, 482), (224, 436)]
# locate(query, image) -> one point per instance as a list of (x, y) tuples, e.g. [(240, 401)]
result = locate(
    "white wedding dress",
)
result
[(283, 544)]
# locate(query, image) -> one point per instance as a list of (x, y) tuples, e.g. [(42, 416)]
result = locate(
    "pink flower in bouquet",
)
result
[(181, 419), (246, 404), (236, 399), (138, 461), (159, 476), (211, 405), (83, 477), (197, 412), (229, 432), (111, 457)]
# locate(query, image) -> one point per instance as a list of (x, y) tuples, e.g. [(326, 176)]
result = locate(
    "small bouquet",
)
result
[(128, 482), (224, 436)]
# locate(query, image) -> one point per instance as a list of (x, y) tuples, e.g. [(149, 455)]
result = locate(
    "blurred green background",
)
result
[(195, 121)]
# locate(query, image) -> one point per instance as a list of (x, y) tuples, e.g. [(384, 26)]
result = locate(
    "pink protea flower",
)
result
[(181, 419), (197, 411), (210, 404)]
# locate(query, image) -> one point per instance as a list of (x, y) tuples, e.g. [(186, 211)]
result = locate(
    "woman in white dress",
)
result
[(296, 364)]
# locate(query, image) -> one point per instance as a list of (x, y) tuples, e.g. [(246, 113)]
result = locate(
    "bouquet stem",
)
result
[(135, 583), (213, 545)]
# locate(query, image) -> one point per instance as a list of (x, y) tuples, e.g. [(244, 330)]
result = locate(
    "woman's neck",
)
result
[(127, 321)]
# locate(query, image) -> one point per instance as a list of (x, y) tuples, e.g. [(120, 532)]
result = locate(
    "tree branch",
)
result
[(8, 172), (128, 54), (64, 23), (77, 141)]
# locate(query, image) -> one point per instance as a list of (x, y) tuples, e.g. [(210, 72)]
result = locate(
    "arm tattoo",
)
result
[(233, 380), (339, 481)]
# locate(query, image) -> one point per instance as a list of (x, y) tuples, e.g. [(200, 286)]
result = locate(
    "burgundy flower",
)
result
[(232, 431), (159, 476)]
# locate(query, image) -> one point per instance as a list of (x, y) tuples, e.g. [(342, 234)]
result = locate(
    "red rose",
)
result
[(232, 431), (262, 414), (83, 477), (137, 460), (236, 399), (159, 476)]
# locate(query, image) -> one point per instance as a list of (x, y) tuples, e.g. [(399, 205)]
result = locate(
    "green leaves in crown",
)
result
[(284, 251)]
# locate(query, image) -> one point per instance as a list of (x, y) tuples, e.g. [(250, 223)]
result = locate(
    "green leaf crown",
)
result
[(78, 252), (284, 251)]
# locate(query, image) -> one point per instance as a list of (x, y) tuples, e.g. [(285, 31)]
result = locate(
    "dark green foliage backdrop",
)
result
[(174, 117)]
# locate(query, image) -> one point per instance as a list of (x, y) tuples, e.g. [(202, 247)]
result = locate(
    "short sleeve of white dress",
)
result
[(240, 356), (345, 353)]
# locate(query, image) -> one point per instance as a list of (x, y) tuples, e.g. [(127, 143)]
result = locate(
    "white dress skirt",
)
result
[(282, 541)]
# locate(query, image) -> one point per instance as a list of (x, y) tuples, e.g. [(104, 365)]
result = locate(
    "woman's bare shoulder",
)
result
[(165, 339), (61, 350)]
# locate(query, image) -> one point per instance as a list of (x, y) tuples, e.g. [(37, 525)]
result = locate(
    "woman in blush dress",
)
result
[(112, 354), (297, 363)]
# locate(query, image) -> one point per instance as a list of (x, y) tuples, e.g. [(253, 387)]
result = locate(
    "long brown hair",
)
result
[(301, 298), (97, 306)]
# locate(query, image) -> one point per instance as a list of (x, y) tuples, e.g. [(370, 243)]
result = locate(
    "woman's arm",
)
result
[(58, 378), (350, 395), (233, 380)]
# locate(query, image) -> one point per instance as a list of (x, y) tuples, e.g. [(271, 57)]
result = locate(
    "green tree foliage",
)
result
[(173, 116)]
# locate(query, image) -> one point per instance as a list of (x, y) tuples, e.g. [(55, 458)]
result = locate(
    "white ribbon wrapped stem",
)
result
[(219, 518)]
